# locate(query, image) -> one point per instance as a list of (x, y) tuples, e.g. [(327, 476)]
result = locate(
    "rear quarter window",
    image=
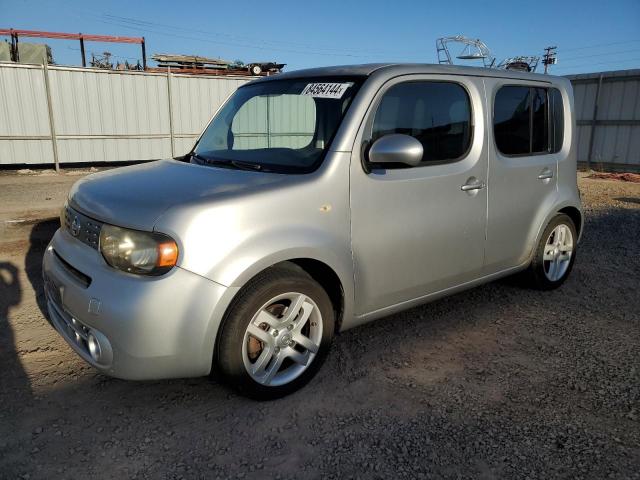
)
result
[(528, 120), (557, 119), (511, 120)]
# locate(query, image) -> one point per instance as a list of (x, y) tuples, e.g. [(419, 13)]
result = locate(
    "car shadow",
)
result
[(14, 381), (39, 238), (634, 200), (11, 296)]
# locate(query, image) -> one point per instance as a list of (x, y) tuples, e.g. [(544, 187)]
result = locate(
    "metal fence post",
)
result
[(52, 124), (170, 111), (593, 122)]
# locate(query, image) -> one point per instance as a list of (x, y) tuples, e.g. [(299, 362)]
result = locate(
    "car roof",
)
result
[(393, 69)]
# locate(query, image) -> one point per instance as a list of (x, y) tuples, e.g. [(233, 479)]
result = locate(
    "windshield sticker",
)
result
[(326, 90)]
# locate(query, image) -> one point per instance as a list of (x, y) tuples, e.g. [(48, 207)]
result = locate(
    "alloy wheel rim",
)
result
[(557, 254), (282, 339)]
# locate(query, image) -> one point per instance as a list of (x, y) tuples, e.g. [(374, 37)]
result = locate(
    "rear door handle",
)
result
[(545, 174), (472, 184)]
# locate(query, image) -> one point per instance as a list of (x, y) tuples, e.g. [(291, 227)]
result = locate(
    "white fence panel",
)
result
[(110, 116), (194, 100), (103, 115), (24, 118)]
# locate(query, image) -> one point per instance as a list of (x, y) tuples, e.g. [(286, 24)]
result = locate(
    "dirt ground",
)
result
[(496, 382)]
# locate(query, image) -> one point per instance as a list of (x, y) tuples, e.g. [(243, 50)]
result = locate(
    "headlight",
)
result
[(146, 253)]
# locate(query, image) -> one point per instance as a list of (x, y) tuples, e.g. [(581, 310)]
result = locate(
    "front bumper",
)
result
[(148, 327)]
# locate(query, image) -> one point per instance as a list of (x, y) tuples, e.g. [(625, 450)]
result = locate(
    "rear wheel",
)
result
[(276, 334), (255, 69), (554, 255)]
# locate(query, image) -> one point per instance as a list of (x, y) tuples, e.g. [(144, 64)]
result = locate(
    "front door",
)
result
[(419, 230)]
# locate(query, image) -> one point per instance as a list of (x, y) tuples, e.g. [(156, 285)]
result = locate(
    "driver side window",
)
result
[(437, 114)]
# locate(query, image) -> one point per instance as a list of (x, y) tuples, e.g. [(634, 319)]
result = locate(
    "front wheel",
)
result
[(276, 334), (554, 255)]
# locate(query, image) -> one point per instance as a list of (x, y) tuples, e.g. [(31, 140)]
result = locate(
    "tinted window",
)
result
[(540, 125), (438, 114), (557, 119), (528, 120), (511, 120)]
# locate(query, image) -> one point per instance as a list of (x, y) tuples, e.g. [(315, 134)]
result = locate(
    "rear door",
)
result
[(415, 230), (523, 169)]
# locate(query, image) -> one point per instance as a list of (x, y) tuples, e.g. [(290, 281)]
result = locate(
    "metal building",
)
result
[(608, 118)]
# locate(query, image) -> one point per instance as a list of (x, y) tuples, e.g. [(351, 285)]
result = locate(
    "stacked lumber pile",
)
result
[(190, 62)]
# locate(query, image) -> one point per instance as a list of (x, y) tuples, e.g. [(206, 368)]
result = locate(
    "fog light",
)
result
[(94, 348)]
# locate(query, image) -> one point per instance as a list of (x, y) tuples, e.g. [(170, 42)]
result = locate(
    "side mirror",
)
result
[(396, 148)]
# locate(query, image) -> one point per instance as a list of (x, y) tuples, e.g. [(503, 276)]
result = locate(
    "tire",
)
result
[(265, 350), (255, 69), (550, 266)]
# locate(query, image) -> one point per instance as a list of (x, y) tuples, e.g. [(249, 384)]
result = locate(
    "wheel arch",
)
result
[(332, 280), (575, 215), (569, 209), (328, 280)]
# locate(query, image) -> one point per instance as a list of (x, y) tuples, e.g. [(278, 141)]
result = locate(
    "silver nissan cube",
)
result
[(315, 201)]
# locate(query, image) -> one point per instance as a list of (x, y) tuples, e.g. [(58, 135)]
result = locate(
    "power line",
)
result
[(600, 63), (208, 33), (138, 25), (217, 42), (329, 51), (600, 45), (600, 55)]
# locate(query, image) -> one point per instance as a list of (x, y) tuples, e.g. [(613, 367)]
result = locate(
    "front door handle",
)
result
[(472, 184), (545, 174)]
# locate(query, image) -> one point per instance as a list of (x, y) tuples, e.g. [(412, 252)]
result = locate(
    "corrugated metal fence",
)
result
[(87, 115), (90, 115), (608, 118)]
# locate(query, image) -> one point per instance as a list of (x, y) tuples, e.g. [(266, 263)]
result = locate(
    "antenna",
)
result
[(549, 57)]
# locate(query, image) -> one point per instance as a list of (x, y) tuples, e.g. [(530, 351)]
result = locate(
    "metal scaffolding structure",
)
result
[(473, 49), (82, 37)]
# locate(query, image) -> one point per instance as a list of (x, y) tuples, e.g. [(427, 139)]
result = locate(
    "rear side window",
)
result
[(512, 120), (528, 120), (437, 114), (557, 119), (540, 121)]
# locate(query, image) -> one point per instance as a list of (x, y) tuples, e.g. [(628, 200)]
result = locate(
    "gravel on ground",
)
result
[(495, 382)]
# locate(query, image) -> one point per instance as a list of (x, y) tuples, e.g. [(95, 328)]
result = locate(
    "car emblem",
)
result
[(75, 227)]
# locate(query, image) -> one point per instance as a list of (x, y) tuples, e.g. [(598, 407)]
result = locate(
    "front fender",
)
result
[(231, 239), (259, 253), (255, 254)]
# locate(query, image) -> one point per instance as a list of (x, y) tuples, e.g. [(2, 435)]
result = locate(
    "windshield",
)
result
[(280, 126)]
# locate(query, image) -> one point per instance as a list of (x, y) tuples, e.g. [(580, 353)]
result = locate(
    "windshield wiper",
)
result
[(240, 165), (199, 157), (247, 165)]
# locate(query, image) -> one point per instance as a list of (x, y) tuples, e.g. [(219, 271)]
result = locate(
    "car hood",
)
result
[(138, 195)]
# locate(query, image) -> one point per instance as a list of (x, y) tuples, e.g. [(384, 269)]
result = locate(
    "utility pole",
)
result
[(549, 57)]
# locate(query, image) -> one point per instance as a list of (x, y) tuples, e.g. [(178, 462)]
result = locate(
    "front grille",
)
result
[(85, 229), (84, 280), (71, 328)]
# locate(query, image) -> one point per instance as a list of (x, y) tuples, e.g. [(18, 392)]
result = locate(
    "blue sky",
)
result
[(590, 35)]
